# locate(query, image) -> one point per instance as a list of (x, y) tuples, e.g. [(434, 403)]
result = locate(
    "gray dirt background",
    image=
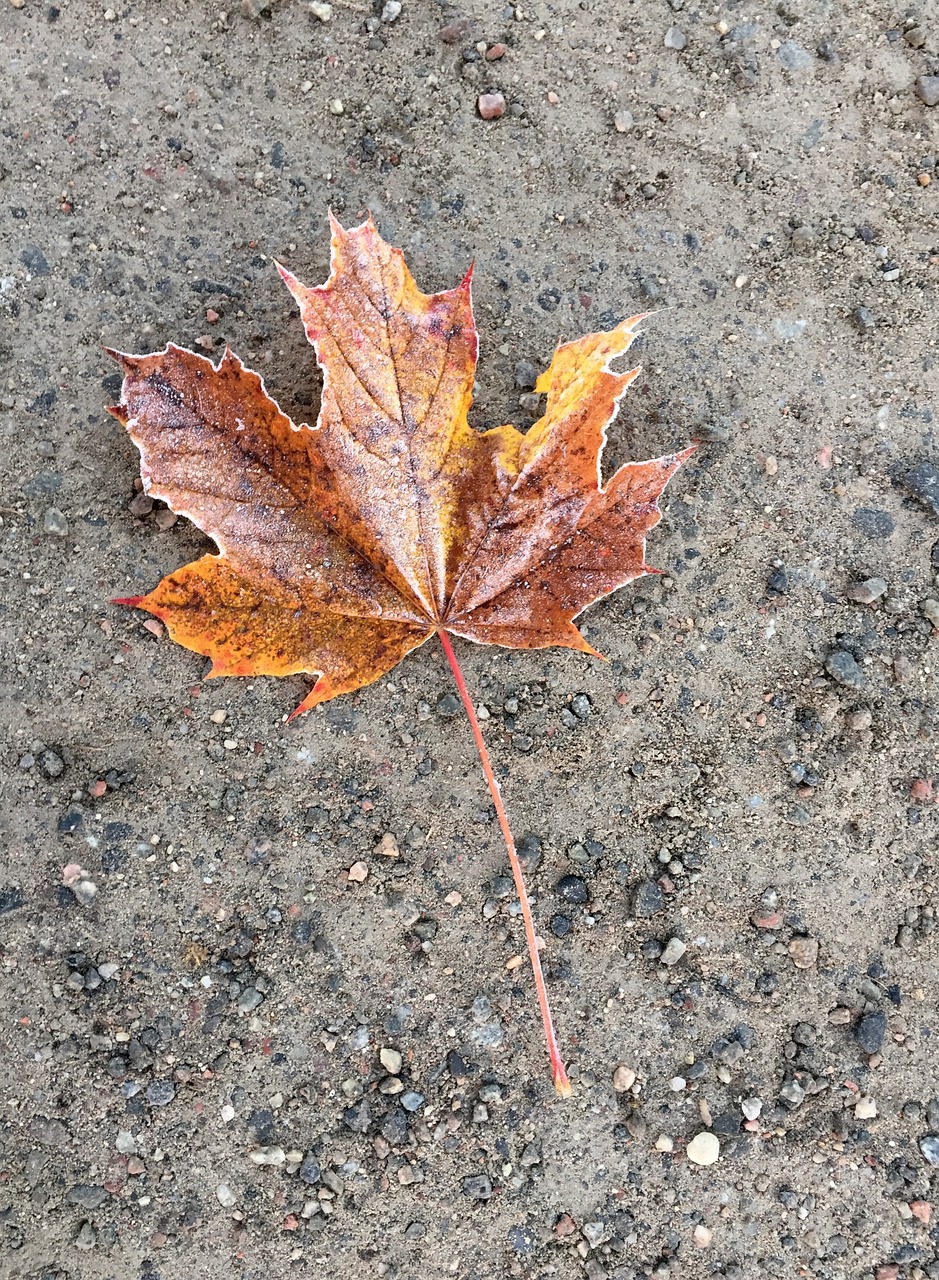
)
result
[(751, 774)]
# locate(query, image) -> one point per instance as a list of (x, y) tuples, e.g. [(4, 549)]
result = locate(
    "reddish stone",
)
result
[(455, 32), (491, 105), (495, 52), (921, 1211), (767, 919)]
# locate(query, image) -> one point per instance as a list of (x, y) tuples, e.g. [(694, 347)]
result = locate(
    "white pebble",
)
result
[(336, 107), (664, 1143), (751, 1107), (704, 1149), (320, 10), (225, 1196), (391, 1060), (623, 1078), (865, 1109), (267, 1155), (677, 1083), (674, 950)]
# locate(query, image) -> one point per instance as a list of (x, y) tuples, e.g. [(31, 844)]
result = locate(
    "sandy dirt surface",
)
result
[(730, 827)]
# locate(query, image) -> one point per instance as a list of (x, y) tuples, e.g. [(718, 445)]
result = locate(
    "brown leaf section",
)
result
[(346, 544)]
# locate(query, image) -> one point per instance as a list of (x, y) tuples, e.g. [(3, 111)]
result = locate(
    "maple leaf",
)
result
[(344, 545)]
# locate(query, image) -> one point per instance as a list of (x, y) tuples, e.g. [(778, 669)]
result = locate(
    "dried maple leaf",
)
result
[(344, 545)]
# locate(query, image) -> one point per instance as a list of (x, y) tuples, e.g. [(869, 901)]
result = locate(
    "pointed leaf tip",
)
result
[(132, 602)]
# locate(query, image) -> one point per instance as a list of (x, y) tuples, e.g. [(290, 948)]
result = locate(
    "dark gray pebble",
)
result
[(448, 705), (309, 1171), (927, 90), (932, 1114), (560, 925), (51, 764), (649, 899), (477, 1187), (727, 1124), (521, 1239), (358, 1118), (842, 667), (581, 705), (34, 260), (864, 319), (394, 1127), (930, 1148), (11, 899), (160, 1092), (873, 522), (87, 1197), (528, 849), (923, 483), (792, 1094), (456, 1066), (572, 889), (870, 1031), (526, 375)]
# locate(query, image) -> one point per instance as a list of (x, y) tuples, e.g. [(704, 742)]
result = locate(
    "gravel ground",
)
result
[(231, 1050)]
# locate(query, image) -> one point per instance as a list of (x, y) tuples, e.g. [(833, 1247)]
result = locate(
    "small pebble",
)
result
[(930, 1148), (54, 522), (868, 591), (160, 1093), (704, 1149), (674, 951), (792, 1094), (490, 105), (623, 121), (751, 1108), (841, 666), (321, 10), (664, 1143), (702, 1235), (871, 1031), (927, 90), (649, 899), (865, 1109), (358, 872), (804, 952), (572, 889), (526, 375), (267, 1155), (921, 1211), (623, 1078), (225, 1196), (675, 38), (391, 1060)]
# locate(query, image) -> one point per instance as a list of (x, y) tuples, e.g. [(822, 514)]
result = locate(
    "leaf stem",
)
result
[(561, 1082)]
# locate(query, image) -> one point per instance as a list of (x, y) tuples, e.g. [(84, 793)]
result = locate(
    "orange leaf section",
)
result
[(344, 545)]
